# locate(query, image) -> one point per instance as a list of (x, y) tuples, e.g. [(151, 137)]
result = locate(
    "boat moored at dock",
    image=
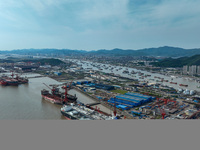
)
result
[(81, 112)]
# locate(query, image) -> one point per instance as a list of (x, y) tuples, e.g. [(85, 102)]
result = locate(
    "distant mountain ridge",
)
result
[(165, 51), (179, 62)]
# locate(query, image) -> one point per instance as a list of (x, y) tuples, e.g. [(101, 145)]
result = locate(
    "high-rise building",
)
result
[(198, 70), (185, 69), (193, 70)]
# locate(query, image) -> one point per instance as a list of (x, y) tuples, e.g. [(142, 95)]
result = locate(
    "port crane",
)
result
[(162, 111), (166, 101), (115, 111), (12, 75), (52, 89), (67, 87)]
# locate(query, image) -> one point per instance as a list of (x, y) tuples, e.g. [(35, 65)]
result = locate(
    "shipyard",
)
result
[(99, 74), (109, 91)]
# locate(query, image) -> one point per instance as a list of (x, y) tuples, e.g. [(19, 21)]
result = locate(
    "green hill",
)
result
[(164, 51), (179, 62)]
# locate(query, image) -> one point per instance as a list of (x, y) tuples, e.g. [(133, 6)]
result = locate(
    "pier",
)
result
[(36, 77), (93, 104)]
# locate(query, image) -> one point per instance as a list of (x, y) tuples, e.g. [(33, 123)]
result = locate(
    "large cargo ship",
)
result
[(12, 82), (81, 112), (22, 80), (50, 97), (6, 80), (58, 97)]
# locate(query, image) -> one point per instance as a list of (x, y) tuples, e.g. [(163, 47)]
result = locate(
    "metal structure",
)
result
[(162, 111), (66, 91), (167, 101), (114, 112), (52, 89)]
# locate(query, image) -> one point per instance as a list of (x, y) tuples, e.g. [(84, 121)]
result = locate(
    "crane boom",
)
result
[(47, 86)]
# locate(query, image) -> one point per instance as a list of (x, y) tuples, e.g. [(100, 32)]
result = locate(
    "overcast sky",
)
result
[(99, 24)]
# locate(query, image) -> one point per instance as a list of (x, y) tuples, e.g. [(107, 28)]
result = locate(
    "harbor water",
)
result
[(192, 84), (25, 101)]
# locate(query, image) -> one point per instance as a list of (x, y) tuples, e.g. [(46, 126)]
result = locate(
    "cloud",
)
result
[(92, 24)]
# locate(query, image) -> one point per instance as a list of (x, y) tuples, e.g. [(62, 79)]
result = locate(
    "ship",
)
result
[(81, 112), (173, 82), (125, 71), (11, 81), (133, 72), (3, 82), (21, 80), (46, 95), (58, 97), (6, 80), (183, 85)]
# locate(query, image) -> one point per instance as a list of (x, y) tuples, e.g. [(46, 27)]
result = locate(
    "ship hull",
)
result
[(3, 83), (183, 85), (52, 100)]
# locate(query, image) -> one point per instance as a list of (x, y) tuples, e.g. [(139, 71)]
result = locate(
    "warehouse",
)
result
[(130, 99), (146, 97), (127, 103)]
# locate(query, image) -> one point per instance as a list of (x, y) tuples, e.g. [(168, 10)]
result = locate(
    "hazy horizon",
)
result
[(94, 50), (93, 25)]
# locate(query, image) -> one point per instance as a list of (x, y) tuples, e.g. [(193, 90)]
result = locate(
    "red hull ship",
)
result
[(173, 82), (183, 85), (57, 97), (51, 98), (6, 80), (3, 82)]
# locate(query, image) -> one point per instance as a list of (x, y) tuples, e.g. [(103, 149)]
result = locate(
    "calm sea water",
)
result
[(192, 85), (25, 101)]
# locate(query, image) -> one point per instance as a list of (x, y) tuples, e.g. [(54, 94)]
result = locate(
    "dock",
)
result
[(35, 77), (93, 104)]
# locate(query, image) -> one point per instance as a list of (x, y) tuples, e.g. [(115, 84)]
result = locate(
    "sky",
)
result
[(99, 24)]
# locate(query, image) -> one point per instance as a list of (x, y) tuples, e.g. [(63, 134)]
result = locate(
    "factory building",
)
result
[(130, 100)]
